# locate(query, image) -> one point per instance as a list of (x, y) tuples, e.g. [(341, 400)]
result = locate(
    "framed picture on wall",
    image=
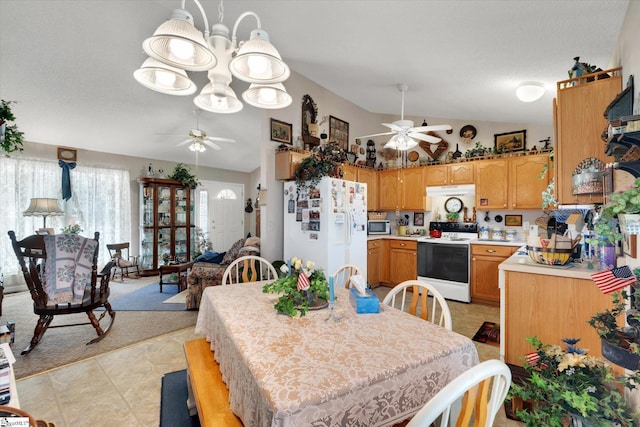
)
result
[(67, 154), (510, 141), (418, 219), (339, 132), (281, 131)]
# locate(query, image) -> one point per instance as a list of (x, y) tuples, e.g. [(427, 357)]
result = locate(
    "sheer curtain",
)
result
[(100, 202)]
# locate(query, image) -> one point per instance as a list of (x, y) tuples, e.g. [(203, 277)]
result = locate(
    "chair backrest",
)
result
[(482, 388), (118, 250), (249, 268), (418, 291), (32, 257), (342, 277)]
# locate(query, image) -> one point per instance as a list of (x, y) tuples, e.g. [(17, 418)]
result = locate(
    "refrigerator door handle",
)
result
[(348, 225)]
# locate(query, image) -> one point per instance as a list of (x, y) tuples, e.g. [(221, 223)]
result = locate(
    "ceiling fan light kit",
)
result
[(530, 91), (178, 46)]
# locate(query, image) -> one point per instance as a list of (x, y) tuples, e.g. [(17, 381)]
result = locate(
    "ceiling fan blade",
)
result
[(376, 134), (211, 144), (424, 137), (433, 128), (186, 141), (219, 138), (392, 126)]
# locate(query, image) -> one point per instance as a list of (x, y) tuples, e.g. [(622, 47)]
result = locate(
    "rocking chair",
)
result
[(41, 257)]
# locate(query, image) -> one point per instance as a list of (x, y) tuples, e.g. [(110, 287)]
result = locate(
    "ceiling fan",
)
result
[(199, 138), (405, 133)]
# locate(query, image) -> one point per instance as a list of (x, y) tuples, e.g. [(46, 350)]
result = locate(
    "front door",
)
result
[(221, 213)]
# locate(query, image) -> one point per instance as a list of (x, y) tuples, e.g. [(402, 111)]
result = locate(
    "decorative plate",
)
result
[(468, 132), (413, 156)]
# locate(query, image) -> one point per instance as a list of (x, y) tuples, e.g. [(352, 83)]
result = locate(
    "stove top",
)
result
[(454, 227)]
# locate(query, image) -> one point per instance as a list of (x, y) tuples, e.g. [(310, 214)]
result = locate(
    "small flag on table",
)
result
[(613, 280), (532, 358), (303, 281)]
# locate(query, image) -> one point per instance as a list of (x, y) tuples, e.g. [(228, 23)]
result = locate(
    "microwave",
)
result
[(379, 226)]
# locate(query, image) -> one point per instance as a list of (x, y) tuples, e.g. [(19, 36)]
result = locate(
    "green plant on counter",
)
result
[(11, 138), (183, 174), (453, 216), (625, 202)]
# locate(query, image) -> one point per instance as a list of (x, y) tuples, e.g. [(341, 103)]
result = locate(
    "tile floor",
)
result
[(101, 392)]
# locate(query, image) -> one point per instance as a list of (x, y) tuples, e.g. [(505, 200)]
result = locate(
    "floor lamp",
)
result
[(44, 208)]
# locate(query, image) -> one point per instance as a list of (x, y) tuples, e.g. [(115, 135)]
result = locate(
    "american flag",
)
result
[(613, 280), (303, 281), (532, 358)]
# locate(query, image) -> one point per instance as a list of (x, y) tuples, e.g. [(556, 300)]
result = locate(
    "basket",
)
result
[(376, 216), (549, 256)]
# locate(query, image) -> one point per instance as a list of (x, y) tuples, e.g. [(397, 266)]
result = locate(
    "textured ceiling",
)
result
[(70, 63)]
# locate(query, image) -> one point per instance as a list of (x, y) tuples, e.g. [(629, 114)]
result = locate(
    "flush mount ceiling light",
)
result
[(530, 91), (178, 46)]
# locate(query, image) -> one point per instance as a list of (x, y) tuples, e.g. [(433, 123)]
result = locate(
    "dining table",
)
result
[(374, 369)]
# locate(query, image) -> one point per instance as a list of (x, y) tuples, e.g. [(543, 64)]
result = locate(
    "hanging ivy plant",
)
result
[(183, 174), (11, 138), (323, 161)]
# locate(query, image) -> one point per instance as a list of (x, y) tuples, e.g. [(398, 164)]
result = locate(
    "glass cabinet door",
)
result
[(180, 207), (181, 244), (146, 240), (164, 246), (147, 206), (164, 206)]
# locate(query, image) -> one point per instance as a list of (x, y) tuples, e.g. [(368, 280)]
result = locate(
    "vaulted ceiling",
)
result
[(69, 64)]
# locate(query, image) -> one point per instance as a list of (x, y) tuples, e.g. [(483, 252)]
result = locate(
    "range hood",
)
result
[(451, 190)]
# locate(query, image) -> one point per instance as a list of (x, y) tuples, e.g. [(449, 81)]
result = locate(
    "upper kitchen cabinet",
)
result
[(370, 177), (451, 174), (349, 173), (511, 183), (287, 161), (401, 189), (580, 123)]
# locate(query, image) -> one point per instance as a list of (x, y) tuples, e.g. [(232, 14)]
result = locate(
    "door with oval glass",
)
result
[(221, 213)]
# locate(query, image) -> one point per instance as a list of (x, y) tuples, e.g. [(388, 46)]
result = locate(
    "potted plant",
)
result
[(183, 174), (453, 216), (621, 344), (323, 161), (297, 297), (11, 138), (569, 387)]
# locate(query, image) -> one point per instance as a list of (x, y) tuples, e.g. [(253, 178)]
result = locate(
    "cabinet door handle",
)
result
[(402, 244), (491, 251)]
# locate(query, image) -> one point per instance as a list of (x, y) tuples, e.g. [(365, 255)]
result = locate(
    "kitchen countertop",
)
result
[(392, 236), (523, 264), (473, 242)]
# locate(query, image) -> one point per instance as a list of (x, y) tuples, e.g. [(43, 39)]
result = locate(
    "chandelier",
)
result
[(177, 46)]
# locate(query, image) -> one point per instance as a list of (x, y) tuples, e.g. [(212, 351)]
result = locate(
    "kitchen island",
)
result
[(549, 302)]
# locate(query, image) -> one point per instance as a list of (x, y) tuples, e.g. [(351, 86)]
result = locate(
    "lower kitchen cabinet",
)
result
[(374, 258), (485, 260), (403, 260)]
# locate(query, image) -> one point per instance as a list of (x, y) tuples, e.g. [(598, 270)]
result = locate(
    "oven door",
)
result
[(446, 267)]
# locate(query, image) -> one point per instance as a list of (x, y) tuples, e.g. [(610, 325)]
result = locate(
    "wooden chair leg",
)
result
[(96, 322), (41, 327)]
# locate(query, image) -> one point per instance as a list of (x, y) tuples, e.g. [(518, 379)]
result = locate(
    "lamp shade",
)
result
[(271, 96), (164, 78), (211, 100), (43, 207), (258, 61), (401, 142), (530, 91), (178, 43)]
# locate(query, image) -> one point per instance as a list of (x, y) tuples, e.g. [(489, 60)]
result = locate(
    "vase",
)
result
[(607, 256), (620, 356)]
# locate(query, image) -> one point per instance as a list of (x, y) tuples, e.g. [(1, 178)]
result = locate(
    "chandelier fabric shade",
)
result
[(178, 46)]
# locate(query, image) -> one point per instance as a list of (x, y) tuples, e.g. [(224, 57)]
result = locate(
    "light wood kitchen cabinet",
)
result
[(385, 271), (485, 260), (287, 162), (580, 121), (403, 260), (349, 173), (402, 189), (511, 183), (374, 256), (370, 177), (451, 174)]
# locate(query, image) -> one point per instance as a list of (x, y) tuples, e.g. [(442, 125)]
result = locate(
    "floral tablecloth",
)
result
[(366, 370)]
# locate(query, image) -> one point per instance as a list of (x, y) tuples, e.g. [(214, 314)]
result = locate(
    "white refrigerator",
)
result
[(326, 224)]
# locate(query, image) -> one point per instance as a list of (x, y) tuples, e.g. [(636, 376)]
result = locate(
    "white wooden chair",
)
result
[(342, 277), (482, 389), (419, 291), (248, 268)]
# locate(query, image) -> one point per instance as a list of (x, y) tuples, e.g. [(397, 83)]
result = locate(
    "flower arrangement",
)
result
[(567, 384), (301, 286), (72, 229)]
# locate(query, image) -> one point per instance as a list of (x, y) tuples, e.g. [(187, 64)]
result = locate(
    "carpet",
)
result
[(180, 298), (148, 298), (489, 333), (173, 397), (61, 346)]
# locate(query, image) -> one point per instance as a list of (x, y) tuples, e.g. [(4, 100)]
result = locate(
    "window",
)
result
[(101, 201), (227, 194), (203, 211)]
